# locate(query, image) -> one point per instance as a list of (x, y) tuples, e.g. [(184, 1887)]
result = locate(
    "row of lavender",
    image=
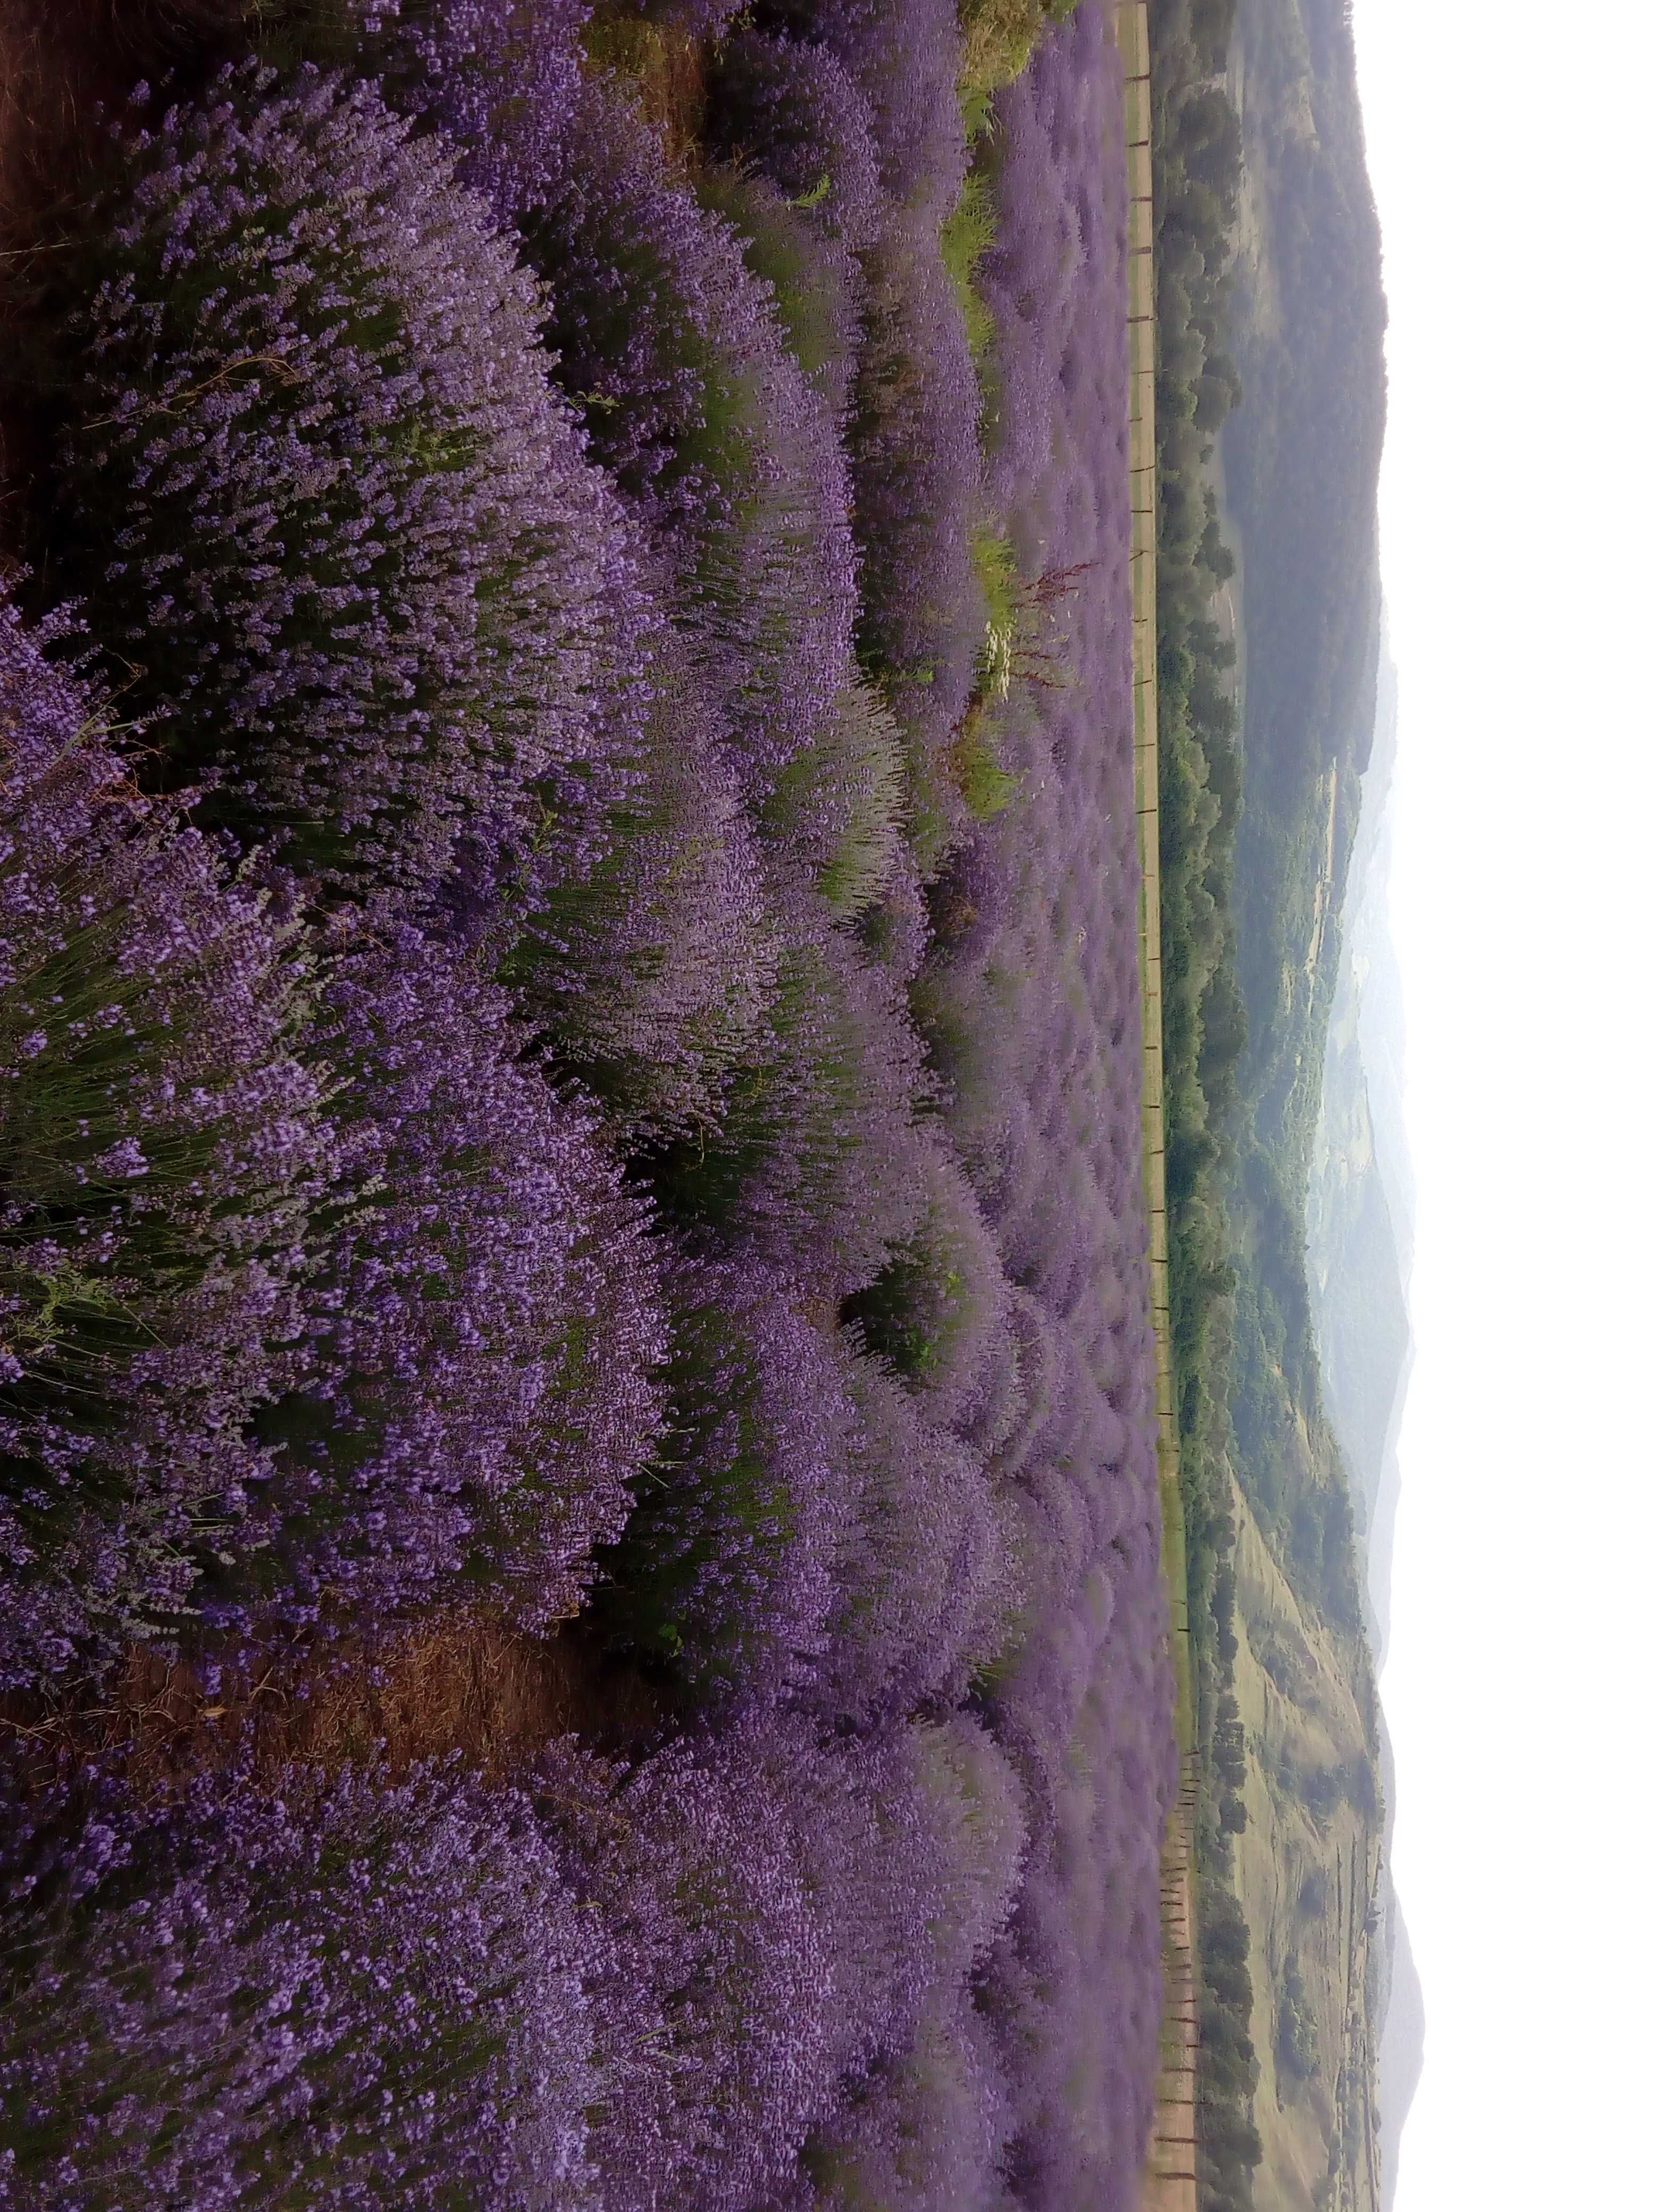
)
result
[(528, 1085)]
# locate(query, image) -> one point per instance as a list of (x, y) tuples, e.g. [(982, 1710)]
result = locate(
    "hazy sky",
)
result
[(1513, 148)]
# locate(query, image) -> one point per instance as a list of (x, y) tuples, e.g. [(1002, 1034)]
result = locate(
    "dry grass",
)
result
[(663, 67), (62, 60)]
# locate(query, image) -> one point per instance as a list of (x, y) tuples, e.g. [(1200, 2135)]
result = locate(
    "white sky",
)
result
[(1514, 150)]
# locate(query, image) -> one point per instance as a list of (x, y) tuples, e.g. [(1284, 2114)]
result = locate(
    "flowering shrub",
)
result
[(838, 807), (670, 347), (815, 283), (714, 1998), (905, 58), (727, 1565), (484, 1335), (704, 18), (313, 482), (795, 112), (871, 1913), (915, 470), (895, 931), (780, 1920), (1081, 1700), (938, 1305), (912, 450), (163, 1147), (368, 1989), (1011, 1425), (652, 976), (931, 1587), (927, 2132), (819, 1161)]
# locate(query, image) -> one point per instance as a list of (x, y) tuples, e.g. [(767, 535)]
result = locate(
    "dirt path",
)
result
[(462, 1684)]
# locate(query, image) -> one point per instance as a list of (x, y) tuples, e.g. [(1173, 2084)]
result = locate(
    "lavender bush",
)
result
[(164, 1148), (728, 1563), (931, 1586), (905, 58), (483, 1332), (715, 1992), (795, 112), (819, 1163), (816, 285), (362, 1992), (938, 1306), (668, 343), (651, 976), (837, 812), (1081, 1700), (313, 482), (915, 470), (697, 18), (780, 1920), (592, 767), (925, 2133), (912, 448)]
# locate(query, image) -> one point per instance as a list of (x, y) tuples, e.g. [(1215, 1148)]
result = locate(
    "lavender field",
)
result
[(569, 1089)]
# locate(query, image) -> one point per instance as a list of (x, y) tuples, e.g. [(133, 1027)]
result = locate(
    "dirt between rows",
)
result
[(467, 1685)]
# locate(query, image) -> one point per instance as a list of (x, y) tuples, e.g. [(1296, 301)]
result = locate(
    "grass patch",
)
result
[(966, 236), (998, 38)]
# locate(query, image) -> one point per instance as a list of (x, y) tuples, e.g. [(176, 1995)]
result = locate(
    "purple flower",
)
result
[(938, 1308), (164, 1149), (652, 976), (314, 484), (819, 1163), (729, 1566), (836, 815), (930, 1589), (797, 113), (483, 1332), (670, 348), (915, 470), (782, 1914), (218, 2002)]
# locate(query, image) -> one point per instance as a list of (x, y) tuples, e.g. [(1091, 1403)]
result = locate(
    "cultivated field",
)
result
[(582, 1522)]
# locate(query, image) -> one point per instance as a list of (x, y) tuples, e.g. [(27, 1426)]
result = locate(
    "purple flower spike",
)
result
[(729, 1563), (483, 1330), (164, 1148), (320, 498), (383, 1984), (670, 346)]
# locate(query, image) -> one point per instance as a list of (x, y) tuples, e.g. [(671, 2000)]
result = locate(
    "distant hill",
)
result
[(1360, 1208), (1281, 1063), (1321, 1339), (1400, 2060)]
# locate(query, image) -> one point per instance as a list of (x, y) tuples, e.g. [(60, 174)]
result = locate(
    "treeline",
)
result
[(1197, 154), (1229, 2148)]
